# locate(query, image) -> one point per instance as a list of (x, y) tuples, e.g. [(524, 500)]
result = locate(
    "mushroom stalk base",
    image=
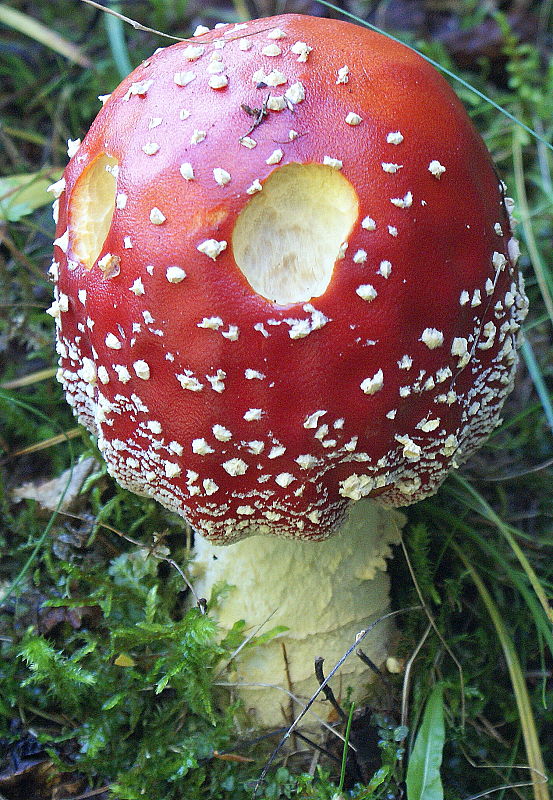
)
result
[(325, 593)]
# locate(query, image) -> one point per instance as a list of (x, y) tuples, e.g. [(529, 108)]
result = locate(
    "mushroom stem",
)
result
[(325, 593)]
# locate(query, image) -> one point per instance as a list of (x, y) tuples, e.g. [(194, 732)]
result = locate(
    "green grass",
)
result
[(101, 656)]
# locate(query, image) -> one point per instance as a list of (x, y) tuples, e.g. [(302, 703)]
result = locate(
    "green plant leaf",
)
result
[(423, 771), (22, 194)]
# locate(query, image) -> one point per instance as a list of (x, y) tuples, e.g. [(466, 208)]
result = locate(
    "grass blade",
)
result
[(423, 770), (40, 33), (520, 690)]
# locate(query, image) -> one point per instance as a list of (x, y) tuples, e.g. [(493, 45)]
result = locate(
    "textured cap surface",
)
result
[(386, 366)]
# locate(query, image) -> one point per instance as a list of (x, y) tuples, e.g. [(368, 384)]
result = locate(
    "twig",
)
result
[(331, 674), (327, 691)]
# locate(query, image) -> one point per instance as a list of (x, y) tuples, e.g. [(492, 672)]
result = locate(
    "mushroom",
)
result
[(286, 281)]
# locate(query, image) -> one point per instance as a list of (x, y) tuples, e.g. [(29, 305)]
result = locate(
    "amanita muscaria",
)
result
[(285, 281)]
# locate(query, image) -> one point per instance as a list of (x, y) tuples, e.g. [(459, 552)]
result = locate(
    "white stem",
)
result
[(325, 593)]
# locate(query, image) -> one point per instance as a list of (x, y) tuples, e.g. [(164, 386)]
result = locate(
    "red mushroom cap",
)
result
[(286, 278)]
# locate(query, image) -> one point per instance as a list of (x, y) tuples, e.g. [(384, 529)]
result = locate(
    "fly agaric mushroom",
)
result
[(285, 280)]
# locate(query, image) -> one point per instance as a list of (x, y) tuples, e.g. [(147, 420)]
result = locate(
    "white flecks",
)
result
[(62, 241), (103, 98), (232, 333), (154, 426), (184, 113), (57, 188), (72, 146), (436, 169), (302, 50), (353, 119), (335, 163), (513, 248), (187, 171), (489, 287), (406, 362), (402, 202), (175, 274), (276, 102), (432, 338), (368, 224), (109, 264), (235, 467), (254, 187), (221, 176), (197, 137), (122, 373), (88, 370), (394, 137), (476, 298), (142, 369), (103, 374), (112, 342), (211, 323), (201, 447), (276, 33), (391, 168), (306, 461), (384, 269), (188, 381), (148, 319), (255, 447), (374, 384), (259, 326), (139, 88), (450, 445), (157, 217), (312, 420), (360, 257), (391, 414), (127, 243), (212, 248), (172, 470), (276, 451), (343, 75), (499, 261), (184, 78), (356, 486), (150, 148), (292, 134), (200, 30), (275, 157), (366, 292), (498, 229), (459, 347), (271, 50), (428, 425), (193, 52), (464, 298), (217, 381), (218, 81), (247, 141), (221, 433), (154, 122), (284, 479), (253, 374), (392, 230), (245, 510), (296, 93), (245, 44), (216, 66), (176, 447), (121, 201), (210, 487), (253, 414), (411, 450)]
